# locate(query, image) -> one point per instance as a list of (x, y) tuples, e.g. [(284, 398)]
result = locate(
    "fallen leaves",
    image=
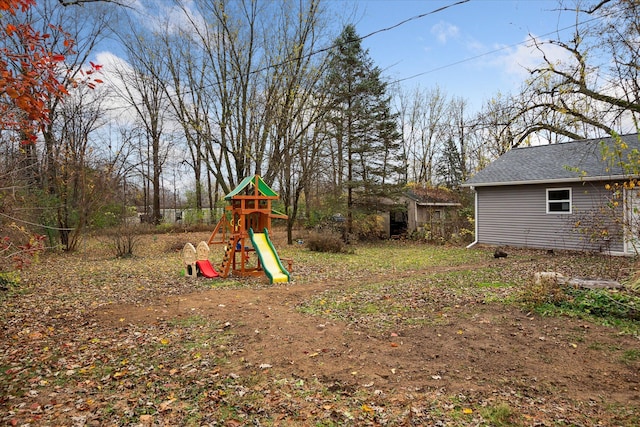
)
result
[(65, 362)]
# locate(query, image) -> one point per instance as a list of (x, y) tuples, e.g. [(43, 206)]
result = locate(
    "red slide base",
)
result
[(206, 269)]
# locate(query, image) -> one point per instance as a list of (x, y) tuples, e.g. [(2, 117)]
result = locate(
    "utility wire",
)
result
[(35, 224), (324, 49), (442, 67), (373, 33), (381, 30)]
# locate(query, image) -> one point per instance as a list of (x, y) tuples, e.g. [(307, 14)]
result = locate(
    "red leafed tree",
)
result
[(27, 80), (28, 73), (42, 78)]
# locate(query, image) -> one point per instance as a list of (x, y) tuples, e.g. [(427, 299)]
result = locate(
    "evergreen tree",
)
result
[(365, 152), (451, 166)]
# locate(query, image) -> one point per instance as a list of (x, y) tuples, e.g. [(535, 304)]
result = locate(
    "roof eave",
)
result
[(438, 204), (548, 181)]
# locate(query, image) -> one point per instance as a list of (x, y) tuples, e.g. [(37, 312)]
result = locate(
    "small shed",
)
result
[(572, 195), (432, 210)]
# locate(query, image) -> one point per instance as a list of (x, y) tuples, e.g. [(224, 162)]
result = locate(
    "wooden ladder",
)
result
[(229, 254)]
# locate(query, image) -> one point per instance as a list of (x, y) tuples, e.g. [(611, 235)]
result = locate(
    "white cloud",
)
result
[(476, 46), (113, 68), (445, 31), (111, 61), (514, 62), (160, 15)]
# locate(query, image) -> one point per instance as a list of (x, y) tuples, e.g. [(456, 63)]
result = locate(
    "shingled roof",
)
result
[(565, 162), (433, 196)]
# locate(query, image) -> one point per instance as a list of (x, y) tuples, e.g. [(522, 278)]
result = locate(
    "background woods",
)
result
[(114, 111)]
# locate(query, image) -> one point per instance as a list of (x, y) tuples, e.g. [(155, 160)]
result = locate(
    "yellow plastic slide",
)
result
[(268, 257)]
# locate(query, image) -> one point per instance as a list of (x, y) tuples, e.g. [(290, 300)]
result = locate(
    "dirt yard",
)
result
[(89, 346)]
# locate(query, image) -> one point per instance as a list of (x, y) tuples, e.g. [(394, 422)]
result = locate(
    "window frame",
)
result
[(569, 200)]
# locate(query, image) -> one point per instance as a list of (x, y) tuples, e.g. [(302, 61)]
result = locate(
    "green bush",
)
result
[(111, 215), (193, 216), (603, 303), (9, 279)]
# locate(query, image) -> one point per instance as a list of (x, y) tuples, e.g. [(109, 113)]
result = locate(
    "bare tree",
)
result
[(231, 43), (453, 161), (423, 119), (75, 186), (595, 90), (255, 55), (243, 87), (189, 97), (297, 105), (144, 78)]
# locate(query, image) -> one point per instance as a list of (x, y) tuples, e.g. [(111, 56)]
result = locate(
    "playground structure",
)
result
[(248, 220)]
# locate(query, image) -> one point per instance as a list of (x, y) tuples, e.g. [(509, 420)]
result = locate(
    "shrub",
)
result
[(325, 243), (123, 240), (368, 227), (19, 247), (604, 303), (547, 290), (8, 279), (193, 216), (601, 303), (110, 215)]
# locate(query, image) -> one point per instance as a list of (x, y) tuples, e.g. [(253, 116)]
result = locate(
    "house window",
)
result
[(558, 200)]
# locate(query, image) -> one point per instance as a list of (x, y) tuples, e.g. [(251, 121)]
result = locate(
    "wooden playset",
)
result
[(244, 229)]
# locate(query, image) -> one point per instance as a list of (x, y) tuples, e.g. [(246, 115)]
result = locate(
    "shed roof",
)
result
[(565, 162), (432, 196)]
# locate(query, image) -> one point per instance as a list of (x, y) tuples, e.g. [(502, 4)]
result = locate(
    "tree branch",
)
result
[(66, 3)]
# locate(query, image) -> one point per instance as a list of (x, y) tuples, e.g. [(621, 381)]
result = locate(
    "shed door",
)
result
[(632, 221)]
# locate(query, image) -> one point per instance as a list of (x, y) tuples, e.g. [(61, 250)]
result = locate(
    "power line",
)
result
[(327, 48), (442, 67), (413, 18), (382, 30), (35, 224), (335, 45)]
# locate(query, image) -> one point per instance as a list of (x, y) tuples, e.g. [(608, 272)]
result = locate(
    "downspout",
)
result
[(475, 210)]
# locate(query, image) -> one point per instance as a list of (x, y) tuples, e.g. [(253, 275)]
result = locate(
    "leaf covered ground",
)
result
[(392, 334)]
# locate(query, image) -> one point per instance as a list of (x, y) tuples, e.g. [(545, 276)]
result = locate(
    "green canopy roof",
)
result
[(263, 188)]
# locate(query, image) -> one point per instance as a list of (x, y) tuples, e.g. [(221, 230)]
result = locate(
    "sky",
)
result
[(472, 49)]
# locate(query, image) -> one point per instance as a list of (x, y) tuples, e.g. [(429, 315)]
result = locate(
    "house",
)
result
[(560, 196)]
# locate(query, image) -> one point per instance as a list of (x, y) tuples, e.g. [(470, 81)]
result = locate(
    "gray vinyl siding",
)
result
[(517, 216)]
